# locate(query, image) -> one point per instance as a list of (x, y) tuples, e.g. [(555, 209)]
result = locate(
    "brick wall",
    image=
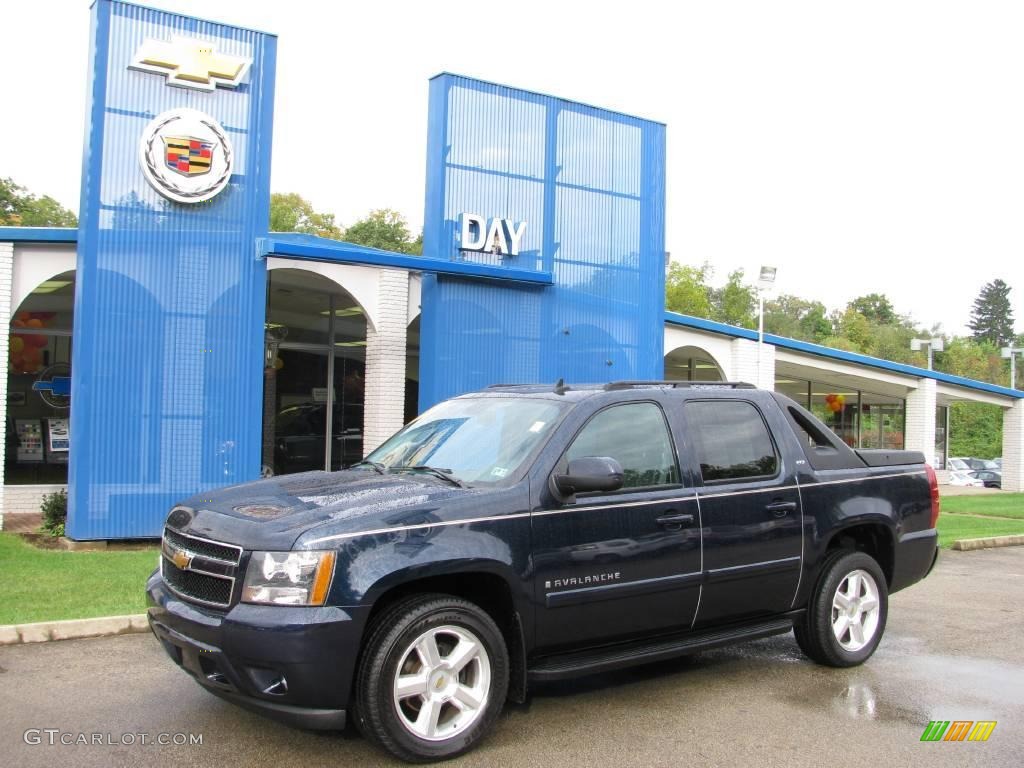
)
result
[(27, 498), (1013, 447), (6, 282), (920, 431), (384, 404), (744, 364)]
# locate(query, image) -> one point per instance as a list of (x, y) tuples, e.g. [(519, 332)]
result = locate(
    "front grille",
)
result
[(203, 547), (200, 587), (198, 569)]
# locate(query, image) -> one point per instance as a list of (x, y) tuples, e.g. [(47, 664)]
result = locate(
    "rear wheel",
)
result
[(846, 616), (433, 678)]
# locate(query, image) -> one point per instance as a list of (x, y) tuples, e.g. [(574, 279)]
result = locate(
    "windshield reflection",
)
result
[(475, 440)]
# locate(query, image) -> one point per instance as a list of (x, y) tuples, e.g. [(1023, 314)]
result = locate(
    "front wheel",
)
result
[(433, 678), (846, 616)]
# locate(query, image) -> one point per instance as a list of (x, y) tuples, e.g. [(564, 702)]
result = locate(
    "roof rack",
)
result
[(612, 385)]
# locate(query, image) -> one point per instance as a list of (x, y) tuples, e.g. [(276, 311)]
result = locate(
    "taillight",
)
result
[(933, 486)]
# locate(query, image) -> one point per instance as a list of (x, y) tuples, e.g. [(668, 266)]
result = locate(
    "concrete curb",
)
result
[(966, 545), (41, 632)]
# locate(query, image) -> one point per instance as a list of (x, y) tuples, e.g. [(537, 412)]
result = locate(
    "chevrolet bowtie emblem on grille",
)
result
[(182, 559), (190, 63)]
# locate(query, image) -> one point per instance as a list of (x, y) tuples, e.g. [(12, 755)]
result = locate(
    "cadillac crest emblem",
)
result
[(186, 156)]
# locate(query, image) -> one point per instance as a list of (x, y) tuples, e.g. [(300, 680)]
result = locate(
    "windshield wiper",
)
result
[(379, 468), (444, 474)]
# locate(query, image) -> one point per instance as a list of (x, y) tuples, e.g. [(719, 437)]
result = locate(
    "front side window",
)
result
[(636, 436), (477, 440), (730, 440)]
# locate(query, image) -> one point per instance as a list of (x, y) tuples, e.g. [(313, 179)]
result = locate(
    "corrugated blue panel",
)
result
[(590, 185), (169, 309)]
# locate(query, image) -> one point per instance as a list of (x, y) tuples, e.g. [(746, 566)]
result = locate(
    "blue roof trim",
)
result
[(674, 318), (38, 235), (315, 248)]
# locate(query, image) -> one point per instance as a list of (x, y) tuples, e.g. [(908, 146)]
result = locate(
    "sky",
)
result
[(857, 147)]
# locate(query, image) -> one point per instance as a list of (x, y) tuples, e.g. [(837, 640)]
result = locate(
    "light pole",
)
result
[(935, 344), (764, 284), (1011, 353)]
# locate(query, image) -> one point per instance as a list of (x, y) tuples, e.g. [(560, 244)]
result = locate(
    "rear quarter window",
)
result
[(730, 440)]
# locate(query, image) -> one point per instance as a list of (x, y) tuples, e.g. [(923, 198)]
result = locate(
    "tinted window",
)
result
[(730, 440), (635, 435)]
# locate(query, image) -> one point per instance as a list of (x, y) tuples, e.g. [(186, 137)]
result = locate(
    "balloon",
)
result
[(36, 340), (33, 356), (841, 399), (17, 344), (34, 322)]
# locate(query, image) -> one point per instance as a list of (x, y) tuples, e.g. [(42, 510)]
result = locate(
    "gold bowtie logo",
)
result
[(190, 63), (182, 559)]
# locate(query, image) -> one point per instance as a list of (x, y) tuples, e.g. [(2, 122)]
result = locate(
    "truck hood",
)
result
[(271, 514)]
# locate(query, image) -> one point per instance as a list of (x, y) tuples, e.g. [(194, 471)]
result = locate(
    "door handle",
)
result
[(674, 522), (781, 508)]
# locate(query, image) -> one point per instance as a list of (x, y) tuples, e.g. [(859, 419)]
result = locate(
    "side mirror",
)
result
[(586, 474)]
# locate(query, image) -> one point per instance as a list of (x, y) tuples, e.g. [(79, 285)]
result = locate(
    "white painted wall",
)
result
[(37, 263), (360, 281)]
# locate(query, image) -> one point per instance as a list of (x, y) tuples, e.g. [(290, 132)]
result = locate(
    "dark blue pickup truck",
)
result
[(526, 533)]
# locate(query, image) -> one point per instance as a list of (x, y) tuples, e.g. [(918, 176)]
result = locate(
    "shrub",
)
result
[(55, 512)]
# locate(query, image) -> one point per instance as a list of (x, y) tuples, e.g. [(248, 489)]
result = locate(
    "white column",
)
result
[(744, 364), (384, 402), (6, 281), (920, 429), (1013, 447)]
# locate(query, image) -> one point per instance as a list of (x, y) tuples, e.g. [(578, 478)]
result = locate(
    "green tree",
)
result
[(385, 229), (876, 307), (687, 291), (975, 429), (290, 212), (735, 303), (20, 208), (992, 316), (796, 318)]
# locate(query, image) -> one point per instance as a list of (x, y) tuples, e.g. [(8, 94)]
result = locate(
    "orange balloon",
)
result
[(23, 316), (19, 323), (36, 340), (33, 322)]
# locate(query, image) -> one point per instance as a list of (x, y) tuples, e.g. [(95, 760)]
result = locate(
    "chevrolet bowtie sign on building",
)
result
[(189, 63)]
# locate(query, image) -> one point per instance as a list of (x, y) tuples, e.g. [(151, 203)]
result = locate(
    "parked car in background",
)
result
[(964, 477), (999, 463), (990, 478), (959, 465)]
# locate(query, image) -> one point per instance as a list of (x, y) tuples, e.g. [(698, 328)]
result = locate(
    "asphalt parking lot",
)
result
[(952, 651)]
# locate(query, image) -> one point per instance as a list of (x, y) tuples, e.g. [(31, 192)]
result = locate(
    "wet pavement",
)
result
[(952, 651)]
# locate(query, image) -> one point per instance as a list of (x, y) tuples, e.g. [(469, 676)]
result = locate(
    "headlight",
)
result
[(288, 578)]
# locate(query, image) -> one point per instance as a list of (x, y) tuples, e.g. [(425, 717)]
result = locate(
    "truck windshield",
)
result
[(475, 440)]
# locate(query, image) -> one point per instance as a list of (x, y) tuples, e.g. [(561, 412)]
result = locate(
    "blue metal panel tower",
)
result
[(590, 185), (169, 301)]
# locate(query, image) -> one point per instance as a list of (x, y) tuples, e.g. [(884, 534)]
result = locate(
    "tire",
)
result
[(824, 636), (440, 711)]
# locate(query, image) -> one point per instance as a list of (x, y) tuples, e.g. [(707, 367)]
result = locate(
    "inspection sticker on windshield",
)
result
[(537, 426), (499, 471)]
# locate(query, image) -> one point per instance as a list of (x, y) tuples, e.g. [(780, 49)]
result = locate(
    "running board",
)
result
[(618, 656)]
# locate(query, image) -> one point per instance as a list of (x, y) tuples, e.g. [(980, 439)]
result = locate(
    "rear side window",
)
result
[(636, 436), (730, 440)]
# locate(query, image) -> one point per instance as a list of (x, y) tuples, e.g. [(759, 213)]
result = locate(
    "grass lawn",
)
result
[(47, 585), (953, 527), (998, 504)]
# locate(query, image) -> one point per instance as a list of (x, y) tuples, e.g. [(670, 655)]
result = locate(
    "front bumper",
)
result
[(294, 664)]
